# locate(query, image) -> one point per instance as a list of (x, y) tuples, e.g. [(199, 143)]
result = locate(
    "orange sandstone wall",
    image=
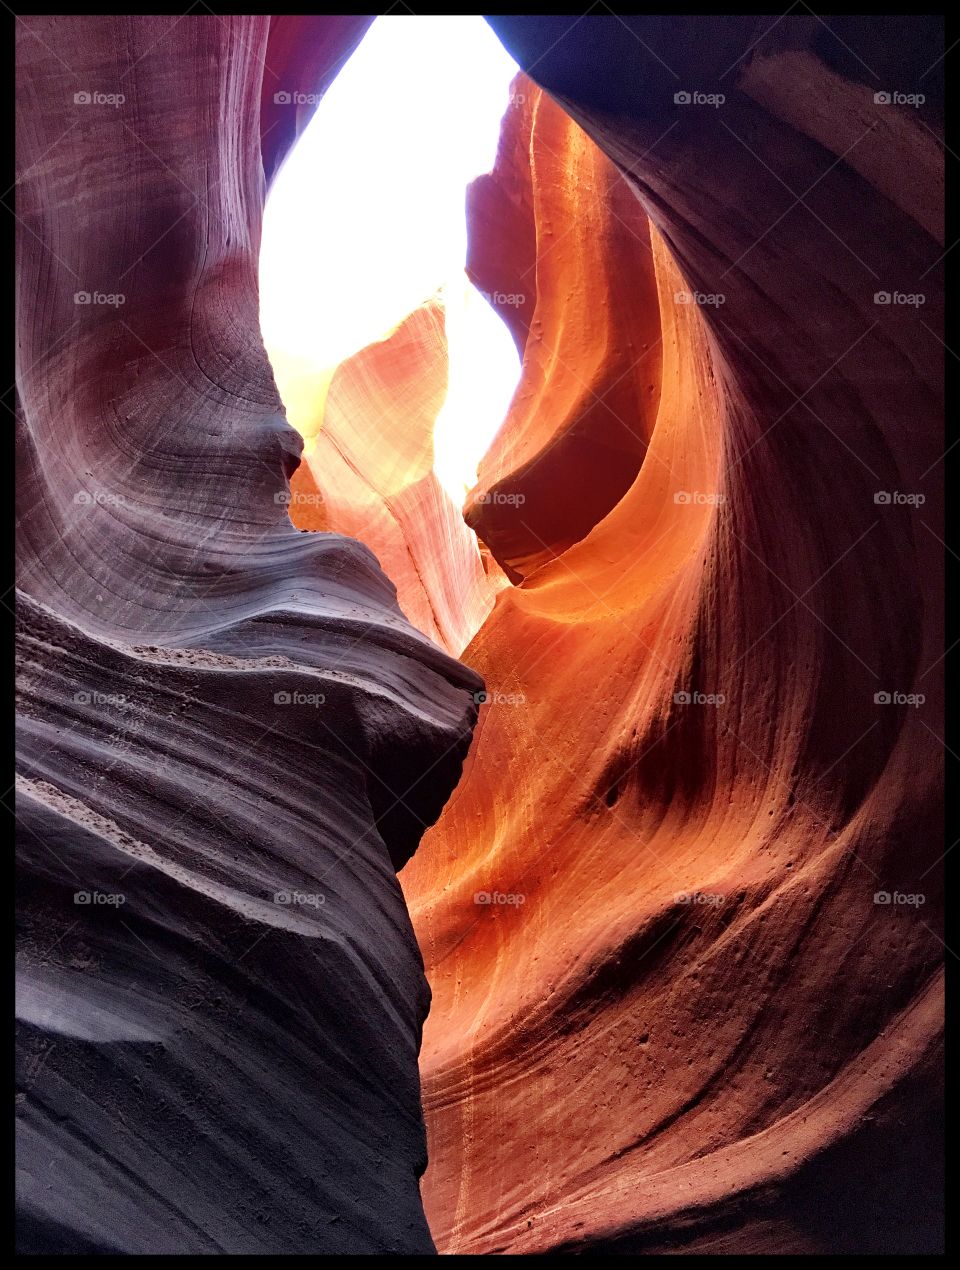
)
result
[(369, 475), (671, 1009), (578, 427)]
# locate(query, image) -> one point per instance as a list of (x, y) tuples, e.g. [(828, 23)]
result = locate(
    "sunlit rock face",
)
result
[(230, 736), (370, 475), (556, 224), (677, 1003)]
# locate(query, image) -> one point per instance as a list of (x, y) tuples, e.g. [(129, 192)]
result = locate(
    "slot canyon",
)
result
[(555, 869)]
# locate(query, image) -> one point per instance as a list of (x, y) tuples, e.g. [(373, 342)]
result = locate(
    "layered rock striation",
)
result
[(230, 737)]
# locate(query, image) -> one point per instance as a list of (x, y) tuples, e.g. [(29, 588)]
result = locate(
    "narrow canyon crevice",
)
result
[(650, 729)]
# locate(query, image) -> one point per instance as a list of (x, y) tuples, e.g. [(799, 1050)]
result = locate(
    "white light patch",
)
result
[(365, 221)]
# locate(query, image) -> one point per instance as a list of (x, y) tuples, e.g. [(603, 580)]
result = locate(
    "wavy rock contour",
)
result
[(677, 1003), (370, 474), (230, 737)]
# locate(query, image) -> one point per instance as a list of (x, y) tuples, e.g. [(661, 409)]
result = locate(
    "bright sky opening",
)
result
[(366, 220)]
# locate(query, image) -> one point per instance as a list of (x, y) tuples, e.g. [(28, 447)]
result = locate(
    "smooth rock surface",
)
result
[(679, 1019)]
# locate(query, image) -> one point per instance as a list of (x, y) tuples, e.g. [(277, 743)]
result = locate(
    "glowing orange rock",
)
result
[(370, 475), (579, 423), (675, 1004), (579, 664)]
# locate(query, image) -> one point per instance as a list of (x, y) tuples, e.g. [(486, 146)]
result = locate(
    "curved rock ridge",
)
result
[(219, 993), (687, 977), (230, 737), (555, 224), (500, 210), (369, 473)]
